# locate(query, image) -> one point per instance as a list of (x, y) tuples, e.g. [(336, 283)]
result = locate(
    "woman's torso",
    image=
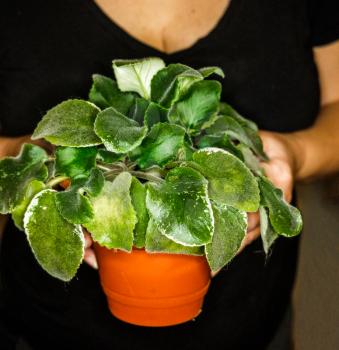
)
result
[(50, 51)]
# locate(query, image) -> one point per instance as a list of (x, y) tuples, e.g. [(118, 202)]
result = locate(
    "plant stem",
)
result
[(56, 180), (146, 176), (104, 167)]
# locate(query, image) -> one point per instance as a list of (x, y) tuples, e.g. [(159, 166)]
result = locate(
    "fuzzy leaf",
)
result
[(94, 183), (230, 126), (34, 187), (74, 206), (268, 235), (285, 219), (158, 243), (170, 83), (159, 146), (180, 207), (207, 71), (71, 162), (155, 114), (105, 93), (138, 109), (70, 123), (118, 133), (17, 172), (198, 106), (220, 141), (230, 181), (114, 216), (136, 75), (185, 152), (226, 109), (250, 159), (230, 229), (108, 157), (138, 196), (57, 245)]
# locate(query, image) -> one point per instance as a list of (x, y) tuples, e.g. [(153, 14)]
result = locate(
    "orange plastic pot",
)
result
[(153, 290)]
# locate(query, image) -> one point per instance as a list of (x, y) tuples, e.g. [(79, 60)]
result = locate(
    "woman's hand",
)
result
[(89, 256), (280, 170), (10, 146)]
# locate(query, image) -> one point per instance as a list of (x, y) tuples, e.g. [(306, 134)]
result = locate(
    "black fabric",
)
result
[(48, 52)]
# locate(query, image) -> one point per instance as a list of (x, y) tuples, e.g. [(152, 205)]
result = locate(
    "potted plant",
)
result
[(160, 172)]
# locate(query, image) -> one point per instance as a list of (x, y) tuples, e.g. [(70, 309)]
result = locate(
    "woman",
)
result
[(48, 52)]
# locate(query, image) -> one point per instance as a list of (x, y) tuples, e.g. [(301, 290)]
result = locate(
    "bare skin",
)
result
[(297, 156)]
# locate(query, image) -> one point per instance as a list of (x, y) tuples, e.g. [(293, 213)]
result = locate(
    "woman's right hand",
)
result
[(10, 146)]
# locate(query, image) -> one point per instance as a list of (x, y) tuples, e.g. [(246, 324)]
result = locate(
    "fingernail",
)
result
[(91, 259)]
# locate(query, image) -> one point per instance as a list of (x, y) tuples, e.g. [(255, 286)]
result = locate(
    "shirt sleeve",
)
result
[(324, 17)]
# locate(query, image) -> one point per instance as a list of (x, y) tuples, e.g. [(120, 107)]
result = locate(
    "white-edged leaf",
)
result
[(114, 216), (118, 133), (230, 225), (70, 123), (180, 207), (136, 75), (57, 245), (268, 235)]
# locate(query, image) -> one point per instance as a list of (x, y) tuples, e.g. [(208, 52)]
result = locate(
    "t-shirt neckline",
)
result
[(112, 26)]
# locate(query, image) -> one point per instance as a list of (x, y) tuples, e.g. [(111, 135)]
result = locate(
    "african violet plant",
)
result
[(154, 160)]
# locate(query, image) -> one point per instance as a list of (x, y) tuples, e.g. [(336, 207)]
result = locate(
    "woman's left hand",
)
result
[(279, 169)]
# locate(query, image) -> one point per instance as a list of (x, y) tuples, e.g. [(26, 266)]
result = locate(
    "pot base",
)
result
[(153, 290), (152, 313)]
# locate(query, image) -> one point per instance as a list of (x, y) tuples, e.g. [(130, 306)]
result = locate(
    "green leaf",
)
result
[(71, 162), (94, 183), (230, 230), (185, 152), (285, 219), (74, 206), (70, 123), (136, 75), (57, 245), (250, 159), (34, 187), (17, 172), (118, 133), (114, 216), (180, 207), (268, 235), (105, 93), (198, 106), (108, 157), (160, 145), (230, 126), (230, 181), (226, 109), (220, 141), (158, 243), (138, 196), (138, 109), (155, 114), (170, 83), (207, 71)]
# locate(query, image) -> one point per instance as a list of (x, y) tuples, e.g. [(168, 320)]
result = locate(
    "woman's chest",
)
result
[(167, 25)]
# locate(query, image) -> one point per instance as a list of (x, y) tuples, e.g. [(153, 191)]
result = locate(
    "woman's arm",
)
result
[(309, 153)]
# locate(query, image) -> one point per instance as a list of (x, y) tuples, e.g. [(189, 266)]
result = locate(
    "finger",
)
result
[(280, 176), (214, 273), (90, 258), (252, 221), (88, 239)]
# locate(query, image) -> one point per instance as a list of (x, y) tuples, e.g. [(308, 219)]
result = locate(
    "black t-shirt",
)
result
[(48, 51)]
